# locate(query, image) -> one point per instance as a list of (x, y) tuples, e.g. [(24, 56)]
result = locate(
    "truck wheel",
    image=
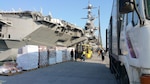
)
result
[(124, 80), (111, 67)]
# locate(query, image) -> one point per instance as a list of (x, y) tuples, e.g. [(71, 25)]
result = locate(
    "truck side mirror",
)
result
[(126, 6)]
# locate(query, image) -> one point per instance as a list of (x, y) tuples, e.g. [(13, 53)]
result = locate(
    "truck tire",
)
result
[(124, 77), (111, 66)]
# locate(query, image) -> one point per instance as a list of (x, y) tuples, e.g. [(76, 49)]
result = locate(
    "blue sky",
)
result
[(69, 10)]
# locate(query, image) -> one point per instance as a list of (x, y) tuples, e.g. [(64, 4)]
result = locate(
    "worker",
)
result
[(76, 54), (83, 55), (72, 54), (102, 55)]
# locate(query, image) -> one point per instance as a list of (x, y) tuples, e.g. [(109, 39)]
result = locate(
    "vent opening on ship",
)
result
[(9, 36)]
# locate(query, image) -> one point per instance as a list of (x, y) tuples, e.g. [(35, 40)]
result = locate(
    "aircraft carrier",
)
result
[(19, 28)]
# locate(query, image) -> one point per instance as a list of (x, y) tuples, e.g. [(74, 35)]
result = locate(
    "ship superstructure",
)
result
[(90, 27), (90, 43), (21, 28)]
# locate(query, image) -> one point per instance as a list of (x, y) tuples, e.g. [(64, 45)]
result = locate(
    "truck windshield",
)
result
[(147, 5)]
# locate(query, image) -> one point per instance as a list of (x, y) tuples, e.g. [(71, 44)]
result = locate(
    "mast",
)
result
[(90, 26), (99, 32)]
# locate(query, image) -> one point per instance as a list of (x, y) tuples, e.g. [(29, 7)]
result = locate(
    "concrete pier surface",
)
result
[(90, 71)]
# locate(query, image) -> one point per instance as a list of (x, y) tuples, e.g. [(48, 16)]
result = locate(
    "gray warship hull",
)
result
[(32, 28)]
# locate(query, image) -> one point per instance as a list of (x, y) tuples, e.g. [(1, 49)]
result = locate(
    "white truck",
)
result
[(129, 41)]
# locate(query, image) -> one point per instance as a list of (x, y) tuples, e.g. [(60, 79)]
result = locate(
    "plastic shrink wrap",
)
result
[(28, 57), (52, 56), (43, 56)]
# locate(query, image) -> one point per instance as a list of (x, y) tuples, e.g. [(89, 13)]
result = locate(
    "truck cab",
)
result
[(129, 43)]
